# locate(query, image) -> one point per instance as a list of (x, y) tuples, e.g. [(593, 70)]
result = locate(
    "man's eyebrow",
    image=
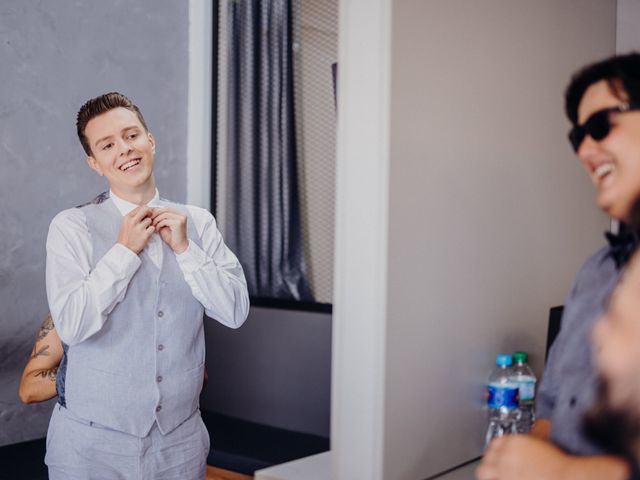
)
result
[(132, 127), (102, 140)]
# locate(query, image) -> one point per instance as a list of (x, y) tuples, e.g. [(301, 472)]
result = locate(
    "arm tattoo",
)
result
[(50, 374), (45, 328), (43, 352)]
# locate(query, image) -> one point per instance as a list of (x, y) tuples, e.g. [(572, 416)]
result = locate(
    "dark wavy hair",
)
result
[(621, 72), (99, 105)]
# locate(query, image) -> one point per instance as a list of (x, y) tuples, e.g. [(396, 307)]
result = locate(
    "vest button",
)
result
[(160, 347), (160, 314), (158, 408), (159, 378)]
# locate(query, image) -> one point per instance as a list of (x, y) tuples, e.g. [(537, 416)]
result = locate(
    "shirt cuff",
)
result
[(122, 260), (192, 259)]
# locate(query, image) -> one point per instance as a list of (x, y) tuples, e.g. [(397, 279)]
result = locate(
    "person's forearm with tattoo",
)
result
[(38, 381)]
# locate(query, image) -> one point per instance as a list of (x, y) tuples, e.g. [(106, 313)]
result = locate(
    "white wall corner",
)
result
[(200, 96), (360, 275)]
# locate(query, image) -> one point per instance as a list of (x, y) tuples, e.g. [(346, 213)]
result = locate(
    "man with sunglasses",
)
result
[(602, 103)]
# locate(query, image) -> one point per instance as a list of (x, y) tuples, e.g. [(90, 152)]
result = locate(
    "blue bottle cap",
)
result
[(504, 360)]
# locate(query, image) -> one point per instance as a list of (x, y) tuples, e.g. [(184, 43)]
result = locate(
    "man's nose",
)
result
[(123, 147), (587, 149)]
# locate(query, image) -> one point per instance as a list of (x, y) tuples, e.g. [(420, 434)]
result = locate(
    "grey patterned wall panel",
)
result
[(54, 56)]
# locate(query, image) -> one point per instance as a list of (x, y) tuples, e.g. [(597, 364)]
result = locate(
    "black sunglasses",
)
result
[(597, 125)]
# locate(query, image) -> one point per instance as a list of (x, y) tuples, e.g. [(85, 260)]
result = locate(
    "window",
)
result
[(312, 44)]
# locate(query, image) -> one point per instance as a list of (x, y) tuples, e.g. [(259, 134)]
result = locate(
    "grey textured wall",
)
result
[(54, 56)]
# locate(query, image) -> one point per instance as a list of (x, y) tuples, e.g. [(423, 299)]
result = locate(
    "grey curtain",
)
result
[(262, 209)]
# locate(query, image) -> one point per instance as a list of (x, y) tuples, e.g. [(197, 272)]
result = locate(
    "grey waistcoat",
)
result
[(146, 364)]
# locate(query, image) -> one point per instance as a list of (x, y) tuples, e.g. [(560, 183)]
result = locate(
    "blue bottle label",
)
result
[(502, 396)]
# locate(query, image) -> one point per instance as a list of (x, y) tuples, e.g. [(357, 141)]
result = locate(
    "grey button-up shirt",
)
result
[(568, 385)]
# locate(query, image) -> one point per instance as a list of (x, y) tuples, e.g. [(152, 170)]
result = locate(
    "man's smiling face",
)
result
[(122, 151), (612, 163)]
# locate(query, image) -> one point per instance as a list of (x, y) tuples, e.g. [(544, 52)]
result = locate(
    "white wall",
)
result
[(490, 214), (357, 381)]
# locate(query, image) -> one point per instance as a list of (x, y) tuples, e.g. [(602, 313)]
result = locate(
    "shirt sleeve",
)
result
[(81, 298), (214, 274), (546, 399)]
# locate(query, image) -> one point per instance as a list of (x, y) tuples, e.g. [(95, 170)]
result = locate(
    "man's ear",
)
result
[(152, 141), (94, 165)]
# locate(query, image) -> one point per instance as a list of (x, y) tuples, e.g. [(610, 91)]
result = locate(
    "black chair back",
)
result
[(555, 320)]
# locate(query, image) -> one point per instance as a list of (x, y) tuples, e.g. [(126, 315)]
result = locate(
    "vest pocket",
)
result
[(197, 367)]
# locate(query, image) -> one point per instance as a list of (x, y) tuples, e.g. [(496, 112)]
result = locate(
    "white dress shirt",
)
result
[(81, 299)]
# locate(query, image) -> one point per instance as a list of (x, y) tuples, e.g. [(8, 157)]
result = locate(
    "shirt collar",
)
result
[(623, 244), (125, 207)]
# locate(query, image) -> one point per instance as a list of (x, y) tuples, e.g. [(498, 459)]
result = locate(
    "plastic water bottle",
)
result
[(523, 376), (502, 400)]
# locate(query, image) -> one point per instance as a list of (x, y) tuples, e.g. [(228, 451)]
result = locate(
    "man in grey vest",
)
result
[(129, 277)]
